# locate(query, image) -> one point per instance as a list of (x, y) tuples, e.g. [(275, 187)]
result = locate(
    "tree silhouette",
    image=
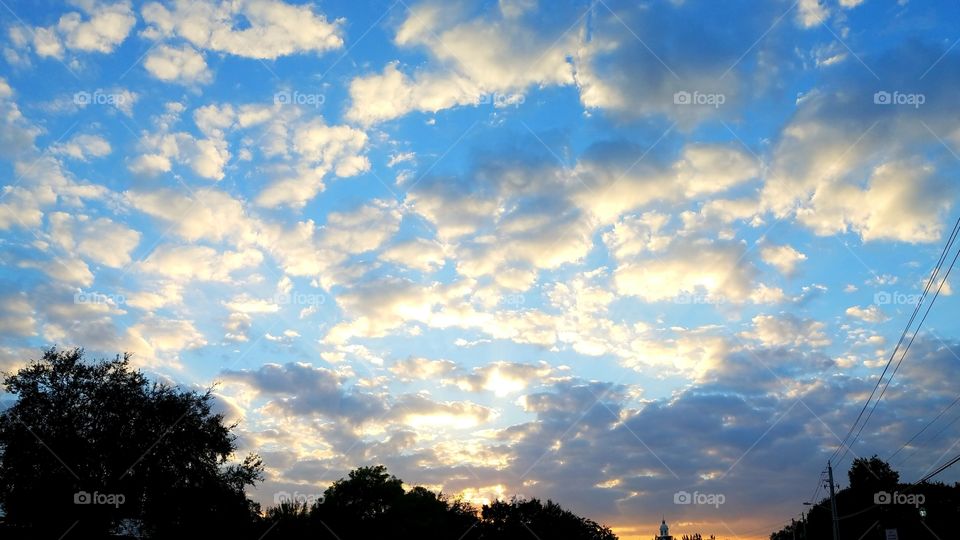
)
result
[(876, 501), (366, 495), (872, 475), (522, 519), (371, 503), (96, 448)]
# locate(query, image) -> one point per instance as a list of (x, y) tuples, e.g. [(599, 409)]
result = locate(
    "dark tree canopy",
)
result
[(371, 503), (516, 519), (97, 447), (872, 474), (96, 450), (365, 495), (875, 501)]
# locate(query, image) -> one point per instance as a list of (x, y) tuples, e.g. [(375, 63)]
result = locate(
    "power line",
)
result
[(930, 423), (813, 500), (907, 348), (932, 279), (930, 440), (939, 469), (933, 276)]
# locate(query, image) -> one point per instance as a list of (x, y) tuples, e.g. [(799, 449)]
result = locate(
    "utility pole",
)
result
[(833, 503)]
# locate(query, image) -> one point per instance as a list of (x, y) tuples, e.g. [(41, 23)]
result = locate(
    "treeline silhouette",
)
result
[(876, 501), (95, 450), (370, 503)]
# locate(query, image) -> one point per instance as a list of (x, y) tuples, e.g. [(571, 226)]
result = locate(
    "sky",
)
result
[(601, 252)]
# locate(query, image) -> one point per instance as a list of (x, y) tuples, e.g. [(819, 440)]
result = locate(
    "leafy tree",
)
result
[(872, 475), (523, 519), (153, 461), (100, 432), (876, 501), (371, 503), (365, 495)]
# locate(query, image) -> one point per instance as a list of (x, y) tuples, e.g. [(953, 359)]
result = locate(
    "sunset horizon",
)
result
[(670, 262)]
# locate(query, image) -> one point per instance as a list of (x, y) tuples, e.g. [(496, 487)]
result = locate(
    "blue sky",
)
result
[(600, 252)]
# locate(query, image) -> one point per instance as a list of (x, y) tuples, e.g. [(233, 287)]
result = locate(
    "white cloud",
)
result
[(421, 412), (637, 235), (237, 327), (812, 12), (83, 147), (897, 204), (419, 253), (872, 314), (319, 149), (244, 303), (207, 215), (66, 270), (718, 269), (479, 57), (616, 182), (415, 368), (168, 335), (154, 295), (784, 258), (838, 167), (401, 157), (503, 378), (206, 157), (275, 28), (391, 94), (16, 316), (104, 27), (185, 263), (787, 330), (183, 65), (101, 239)]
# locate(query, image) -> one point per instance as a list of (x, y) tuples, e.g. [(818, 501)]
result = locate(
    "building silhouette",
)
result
[(664, 531)]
